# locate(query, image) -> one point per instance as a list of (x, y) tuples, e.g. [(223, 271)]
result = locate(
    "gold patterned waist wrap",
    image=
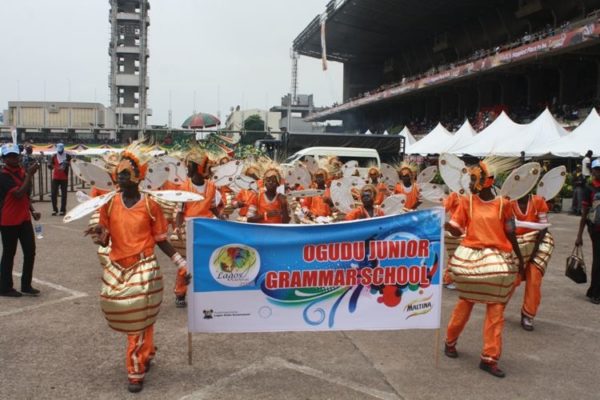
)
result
[(131, 297), (483, 275), (451, 243), (541, 258), (178, 240)]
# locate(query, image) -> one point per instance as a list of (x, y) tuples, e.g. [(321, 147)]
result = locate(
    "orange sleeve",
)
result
[(460, 217), (239, 196), (541, 206), (159, 223), (352, 215)]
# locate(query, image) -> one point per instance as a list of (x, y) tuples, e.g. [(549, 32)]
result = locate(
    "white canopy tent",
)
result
[(585, 137), (435, 142), (534, 139), (463, 135), (409, 139), (484, 143)]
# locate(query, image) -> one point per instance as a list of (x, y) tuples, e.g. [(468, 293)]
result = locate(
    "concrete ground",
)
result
[(58, 346)]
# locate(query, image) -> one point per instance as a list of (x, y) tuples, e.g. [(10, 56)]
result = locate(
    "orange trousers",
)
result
[(533, 290), (180, 282), (140, 350), (492, 328)]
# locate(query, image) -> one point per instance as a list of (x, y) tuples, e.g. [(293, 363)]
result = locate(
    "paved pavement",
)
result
[(58, 346)]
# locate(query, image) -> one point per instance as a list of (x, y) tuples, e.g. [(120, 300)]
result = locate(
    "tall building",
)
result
[(129, 55)]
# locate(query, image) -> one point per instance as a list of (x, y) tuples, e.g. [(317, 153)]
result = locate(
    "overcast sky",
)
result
[(230, 52)]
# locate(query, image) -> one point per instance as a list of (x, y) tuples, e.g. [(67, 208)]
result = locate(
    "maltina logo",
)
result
[(418, 307)]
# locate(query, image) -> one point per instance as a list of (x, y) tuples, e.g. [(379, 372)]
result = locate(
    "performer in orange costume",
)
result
[(244, 197), (318, 206), (132, 281), (536, 248), (382, 189), (197, 182), (408, 187), (269, 207), (482, 266), (368, 208)]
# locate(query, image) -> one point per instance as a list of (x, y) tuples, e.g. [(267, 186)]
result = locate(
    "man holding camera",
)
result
[(15, 221), (59, 164)]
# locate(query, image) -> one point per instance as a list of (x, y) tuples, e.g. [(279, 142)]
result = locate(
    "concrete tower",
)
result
[(129, 55)]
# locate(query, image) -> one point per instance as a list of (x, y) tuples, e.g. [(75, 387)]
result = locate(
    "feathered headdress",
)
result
[(323, 172), (198, 156), (490, 167), (253, 168), (332, 165), (271, 168), (135, 158), (407, 168)]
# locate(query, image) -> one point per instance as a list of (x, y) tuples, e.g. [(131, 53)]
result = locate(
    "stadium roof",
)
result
[(363, 29)]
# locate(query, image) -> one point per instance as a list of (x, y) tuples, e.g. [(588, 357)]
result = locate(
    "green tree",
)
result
[(254, 123)]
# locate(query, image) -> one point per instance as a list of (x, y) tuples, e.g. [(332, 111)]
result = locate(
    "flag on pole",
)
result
[(324, 41), (13, 134)]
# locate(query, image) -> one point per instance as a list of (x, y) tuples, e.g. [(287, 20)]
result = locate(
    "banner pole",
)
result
[(437, 348), (189, 348)]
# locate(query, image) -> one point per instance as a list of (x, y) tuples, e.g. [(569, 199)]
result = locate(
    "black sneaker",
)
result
[(11, 293), (30, 292), (62, 213), (135, 387), (595, 300), (492, 369), (527, 323), (450, 351), (55, 213), (180, 302)]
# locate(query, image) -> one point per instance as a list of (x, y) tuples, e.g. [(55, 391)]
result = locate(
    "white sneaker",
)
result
[(450, 286)]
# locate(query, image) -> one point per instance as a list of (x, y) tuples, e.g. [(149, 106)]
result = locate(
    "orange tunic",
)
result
[(244, 196), (484, 222), (133, 231), (382, 191), (537, 210), (360, 213), (412, 197), (318, 205), (200, 208), (264, 206)]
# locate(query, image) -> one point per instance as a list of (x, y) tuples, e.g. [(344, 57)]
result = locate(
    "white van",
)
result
[(365, 157)]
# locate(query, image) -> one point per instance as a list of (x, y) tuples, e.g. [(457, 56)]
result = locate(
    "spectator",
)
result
[(27, 158), (586, 164), (15, 222), (59, 164), (590, 216), (578, 189)]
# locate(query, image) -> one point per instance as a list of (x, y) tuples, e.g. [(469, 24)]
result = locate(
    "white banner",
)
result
[(375, 274)]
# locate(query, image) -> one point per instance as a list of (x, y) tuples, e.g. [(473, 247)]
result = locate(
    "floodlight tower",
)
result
[(128, 50), (294, 89)]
